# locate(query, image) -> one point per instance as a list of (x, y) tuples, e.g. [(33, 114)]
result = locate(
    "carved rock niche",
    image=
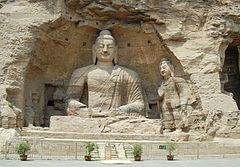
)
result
[(64, 45)]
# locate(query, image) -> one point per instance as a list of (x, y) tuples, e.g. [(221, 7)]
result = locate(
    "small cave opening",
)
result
[(230, 72)]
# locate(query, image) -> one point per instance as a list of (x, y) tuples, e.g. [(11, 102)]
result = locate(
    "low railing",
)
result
[(75, 150), (193, 150), (46, 150)]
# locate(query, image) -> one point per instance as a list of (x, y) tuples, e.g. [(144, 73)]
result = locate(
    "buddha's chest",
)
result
[(99, 77)]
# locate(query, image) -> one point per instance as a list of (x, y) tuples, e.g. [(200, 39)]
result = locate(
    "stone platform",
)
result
[(91, 136), (110, 128), (48, 144), (117, 124)]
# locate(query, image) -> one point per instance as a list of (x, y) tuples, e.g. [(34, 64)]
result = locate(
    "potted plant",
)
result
[(137, 152), (21, 149), (89, 149), (170, 147)]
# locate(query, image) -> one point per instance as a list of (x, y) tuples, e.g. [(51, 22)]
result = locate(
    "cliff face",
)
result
[(43, 41)]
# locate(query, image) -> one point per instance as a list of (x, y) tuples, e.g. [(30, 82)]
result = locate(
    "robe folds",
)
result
[(118, 88)]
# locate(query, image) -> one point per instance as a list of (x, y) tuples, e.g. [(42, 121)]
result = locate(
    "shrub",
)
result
[(137, 150), (22, 148), (90, 147)]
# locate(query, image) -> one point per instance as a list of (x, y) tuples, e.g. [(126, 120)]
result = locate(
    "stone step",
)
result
[(128, 150), (91, 136), (112, 151)]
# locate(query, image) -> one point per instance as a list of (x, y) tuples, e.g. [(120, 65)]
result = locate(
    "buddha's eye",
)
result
[(101, 46), (110, 46), (163, 67)]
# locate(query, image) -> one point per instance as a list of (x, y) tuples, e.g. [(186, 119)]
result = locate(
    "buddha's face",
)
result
[(105, 50), (165, 70)]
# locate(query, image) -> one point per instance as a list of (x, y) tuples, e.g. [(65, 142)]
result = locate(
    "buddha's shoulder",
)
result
[(82, 70), (127, 71)]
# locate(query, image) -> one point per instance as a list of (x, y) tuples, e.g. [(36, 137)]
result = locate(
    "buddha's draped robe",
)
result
[(120, 89)]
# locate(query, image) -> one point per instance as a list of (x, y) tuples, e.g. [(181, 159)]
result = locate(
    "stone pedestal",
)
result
[(118, 124)]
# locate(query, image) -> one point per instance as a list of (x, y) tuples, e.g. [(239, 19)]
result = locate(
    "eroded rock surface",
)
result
[(43, 41)]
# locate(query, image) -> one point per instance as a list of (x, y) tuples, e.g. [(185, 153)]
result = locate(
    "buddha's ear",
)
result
[(94, 55), (115, 59)]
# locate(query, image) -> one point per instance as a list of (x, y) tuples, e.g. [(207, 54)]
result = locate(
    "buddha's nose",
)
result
[(105, 49)]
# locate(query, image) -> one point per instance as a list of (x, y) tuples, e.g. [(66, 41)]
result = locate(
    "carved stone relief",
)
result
[(175, 98), (111, 88)]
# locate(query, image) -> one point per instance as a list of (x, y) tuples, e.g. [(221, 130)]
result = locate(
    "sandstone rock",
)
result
[(43, 41), (178, 136), (10, 116), (7, 135)]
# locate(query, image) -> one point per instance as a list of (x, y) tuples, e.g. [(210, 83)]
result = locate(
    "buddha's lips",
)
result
[(105, 55)]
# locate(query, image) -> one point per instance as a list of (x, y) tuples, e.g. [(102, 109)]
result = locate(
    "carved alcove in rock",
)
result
[(66, 44), (230, 76)]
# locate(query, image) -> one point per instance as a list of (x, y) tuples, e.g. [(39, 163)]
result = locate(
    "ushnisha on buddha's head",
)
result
[(105, 48)]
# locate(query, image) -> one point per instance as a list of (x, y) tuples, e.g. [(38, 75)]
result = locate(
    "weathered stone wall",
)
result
[(18, 19), (43, 41), (195, 39)]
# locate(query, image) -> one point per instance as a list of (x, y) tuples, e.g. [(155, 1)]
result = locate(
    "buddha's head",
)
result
[(166, 68), (105, 48)]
